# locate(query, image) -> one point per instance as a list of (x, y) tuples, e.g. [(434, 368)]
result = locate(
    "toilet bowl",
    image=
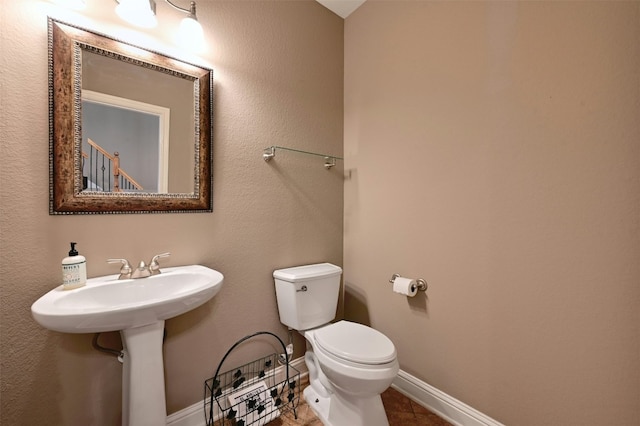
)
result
[(358, 363), (349, 364)]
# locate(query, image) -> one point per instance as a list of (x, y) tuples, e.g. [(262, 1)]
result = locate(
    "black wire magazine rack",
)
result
[(253, 394)]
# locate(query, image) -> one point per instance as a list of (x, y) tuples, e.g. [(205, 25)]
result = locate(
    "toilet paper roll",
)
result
[(405, 286)]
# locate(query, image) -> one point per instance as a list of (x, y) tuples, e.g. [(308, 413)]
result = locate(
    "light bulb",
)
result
[(140, 13), (190, 34)]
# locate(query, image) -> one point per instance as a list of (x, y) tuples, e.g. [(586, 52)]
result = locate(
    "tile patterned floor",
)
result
[(401, 411)]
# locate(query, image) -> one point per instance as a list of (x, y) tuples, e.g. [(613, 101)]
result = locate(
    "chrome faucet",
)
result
[(142, 271)]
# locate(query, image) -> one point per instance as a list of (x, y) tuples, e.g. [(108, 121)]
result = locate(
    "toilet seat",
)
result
[(355, 343)]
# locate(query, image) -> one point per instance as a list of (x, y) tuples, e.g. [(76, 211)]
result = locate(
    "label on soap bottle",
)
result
[(74, 275)]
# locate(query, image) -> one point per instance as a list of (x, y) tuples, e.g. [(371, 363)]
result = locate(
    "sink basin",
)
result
[(109, 304)]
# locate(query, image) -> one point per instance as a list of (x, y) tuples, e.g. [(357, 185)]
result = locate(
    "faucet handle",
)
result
[(125, 270), (154, 266)]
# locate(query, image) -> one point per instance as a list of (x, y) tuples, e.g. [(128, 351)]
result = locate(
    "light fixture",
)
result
[(190, 34), (142, 13)]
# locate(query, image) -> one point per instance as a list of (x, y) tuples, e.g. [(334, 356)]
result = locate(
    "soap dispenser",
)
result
[(74, 270)]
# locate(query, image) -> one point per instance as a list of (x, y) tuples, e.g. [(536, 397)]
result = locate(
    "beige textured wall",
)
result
[(494, 149), (279, 80)]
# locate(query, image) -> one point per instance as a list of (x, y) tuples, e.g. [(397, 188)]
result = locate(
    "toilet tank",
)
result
[(307, 295)]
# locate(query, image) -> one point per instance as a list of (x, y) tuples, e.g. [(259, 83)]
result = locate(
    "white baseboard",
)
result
[(445, 406), (194, 414)]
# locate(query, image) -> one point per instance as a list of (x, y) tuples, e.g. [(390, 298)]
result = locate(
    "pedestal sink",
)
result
[(137, 308)]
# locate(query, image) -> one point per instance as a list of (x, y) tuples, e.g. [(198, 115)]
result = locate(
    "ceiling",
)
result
[(342, 8)]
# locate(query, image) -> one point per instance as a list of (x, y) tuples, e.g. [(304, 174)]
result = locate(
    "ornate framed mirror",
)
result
[(130, 130)]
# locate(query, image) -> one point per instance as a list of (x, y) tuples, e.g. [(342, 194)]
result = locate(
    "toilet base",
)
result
[(335, 411), (319, 405)]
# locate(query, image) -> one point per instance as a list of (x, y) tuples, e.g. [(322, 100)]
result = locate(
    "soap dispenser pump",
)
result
[(74, 270)]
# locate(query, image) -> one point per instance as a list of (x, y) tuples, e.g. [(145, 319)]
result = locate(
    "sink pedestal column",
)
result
[(143, 397)]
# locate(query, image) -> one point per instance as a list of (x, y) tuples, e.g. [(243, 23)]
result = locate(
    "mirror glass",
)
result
[(151, 130), (130, 128)]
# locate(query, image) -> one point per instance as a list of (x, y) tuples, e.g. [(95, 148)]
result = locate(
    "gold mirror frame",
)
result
[(65, 43)]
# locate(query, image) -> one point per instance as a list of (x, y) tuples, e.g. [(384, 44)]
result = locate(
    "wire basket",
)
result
[(253, 394)]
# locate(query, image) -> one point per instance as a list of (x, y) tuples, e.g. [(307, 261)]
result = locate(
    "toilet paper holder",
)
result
[(422, 284)]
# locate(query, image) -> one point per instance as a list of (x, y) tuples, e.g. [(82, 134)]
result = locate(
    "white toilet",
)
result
[(350, 364)]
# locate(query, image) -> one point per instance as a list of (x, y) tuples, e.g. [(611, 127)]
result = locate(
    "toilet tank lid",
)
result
[(306, 272)]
